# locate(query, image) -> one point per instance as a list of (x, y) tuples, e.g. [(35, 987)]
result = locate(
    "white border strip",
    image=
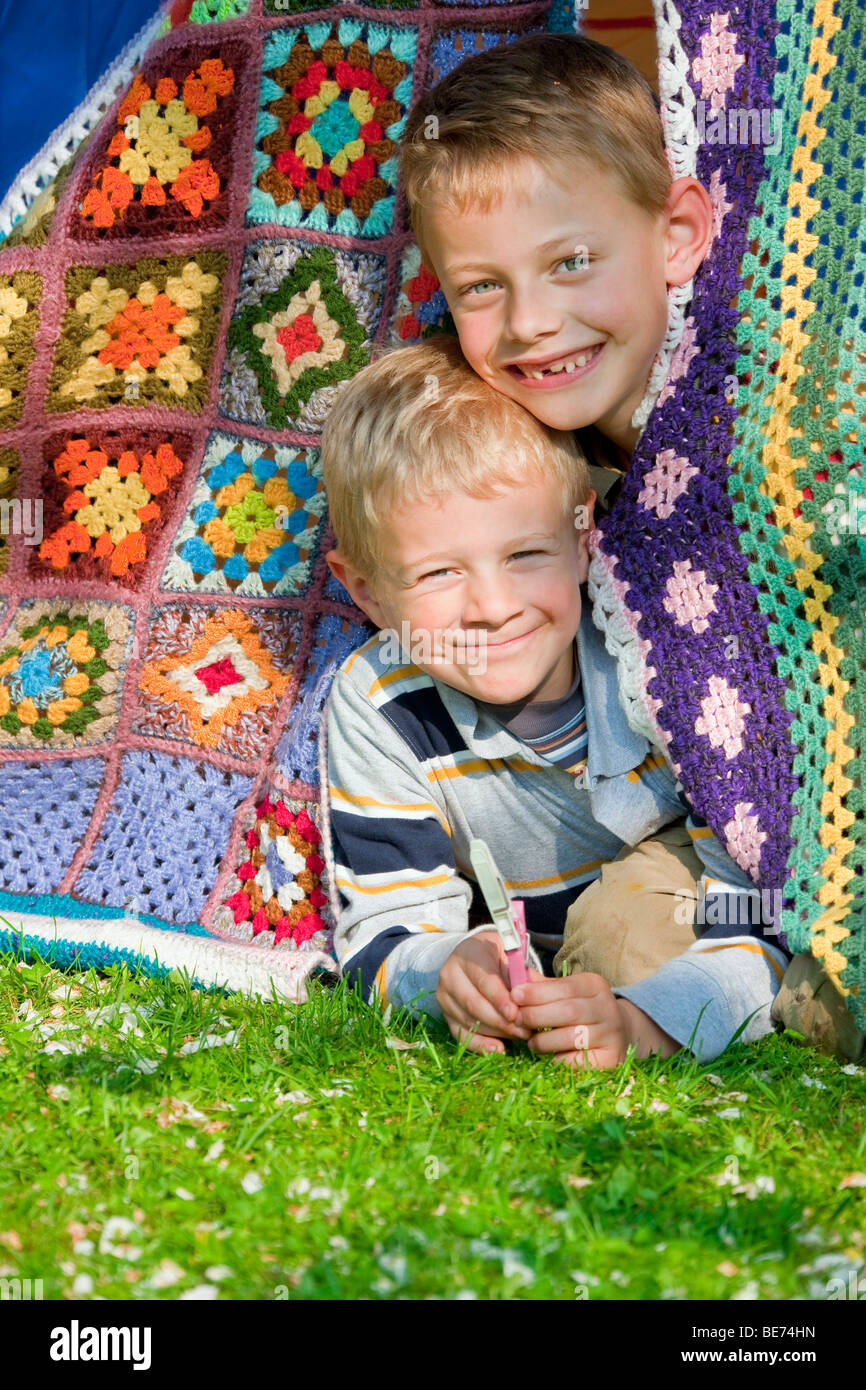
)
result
[(261, 970)]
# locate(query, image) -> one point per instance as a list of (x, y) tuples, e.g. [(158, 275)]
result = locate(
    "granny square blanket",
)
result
[(213, 243)]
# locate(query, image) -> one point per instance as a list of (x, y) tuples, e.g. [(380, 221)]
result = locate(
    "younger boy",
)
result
[(455, 514)]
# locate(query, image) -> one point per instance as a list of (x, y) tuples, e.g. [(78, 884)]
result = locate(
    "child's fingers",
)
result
[(471, 1008), (568, 1038), (543, 989)]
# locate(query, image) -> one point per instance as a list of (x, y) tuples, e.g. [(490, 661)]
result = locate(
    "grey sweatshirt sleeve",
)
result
[(403, 905)]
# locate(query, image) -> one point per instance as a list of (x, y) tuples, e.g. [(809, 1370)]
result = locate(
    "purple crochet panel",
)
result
[(165, 866), (726, 724), (48, 805)]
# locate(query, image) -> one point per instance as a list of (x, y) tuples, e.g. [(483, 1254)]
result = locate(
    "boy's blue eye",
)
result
[(479, 285), (581, 261)]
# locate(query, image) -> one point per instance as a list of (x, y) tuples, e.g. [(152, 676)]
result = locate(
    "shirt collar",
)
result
[(613, 747)]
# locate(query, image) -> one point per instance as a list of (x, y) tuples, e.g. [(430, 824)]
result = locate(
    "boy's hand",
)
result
[(585, 1024), (473, 993)]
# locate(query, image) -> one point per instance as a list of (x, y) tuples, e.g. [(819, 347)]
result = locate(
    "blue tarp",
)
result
[(50, 56)]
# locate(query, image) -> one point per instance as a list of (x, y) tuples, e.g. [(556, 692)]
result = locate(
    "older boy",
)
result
[(455, 515), (541, 196)]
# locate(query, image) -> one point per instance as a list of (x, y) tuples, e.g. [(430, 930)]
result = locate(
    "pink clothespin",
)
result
[(507, 913)]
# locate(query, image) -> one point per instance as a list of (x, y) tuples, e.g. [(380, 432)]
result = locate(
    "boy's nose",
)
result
[(489, 599), (530, 314)]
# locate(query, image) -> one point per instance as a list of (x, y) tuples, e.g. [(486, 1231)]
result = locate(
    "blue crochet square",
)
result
[(164, 836), (334, 638), (45, 809), (452, 47)]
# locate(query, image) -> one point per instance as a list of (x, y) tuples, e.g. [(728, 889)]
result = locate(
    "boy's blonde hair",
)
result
[(417, 422), (555, 98)]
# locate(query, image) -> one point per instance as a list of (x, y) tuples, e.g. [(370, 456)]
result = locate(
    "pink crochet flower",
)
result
[(743, 837), (722, 719), (687, 348), (690, 596), (665, 483), (717, 66), (721, 206)]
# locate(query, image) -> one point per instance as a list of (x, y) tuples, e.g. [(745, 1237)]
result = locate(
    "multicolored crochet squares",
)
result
[(61, 667), (215, 677), (105, 495), (298, 333), (421, 307), (20, 294), (138, 334), (252, 522), (334, 102), (276, 887), (167, 165)]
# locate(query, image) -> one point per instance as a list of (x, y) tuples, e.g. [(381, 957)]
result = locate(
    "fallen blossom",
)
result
[(215, 1150), (166, 1274), (209, 1040), (184, 1194), (251, 1182), (291, 1098), (813, 1081), (200, 1293), (574, 1180), (218, 1273), (398, 1045), (853, 1180), (118, 1226)]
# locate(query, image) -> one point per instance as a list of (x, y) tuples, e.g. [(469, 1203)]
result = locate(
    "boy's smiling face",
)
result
[(500, 574), (559, 294)]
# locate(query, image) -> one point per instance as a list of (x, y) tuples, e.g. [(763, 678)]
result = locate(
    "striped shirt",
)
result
[(417, 769), (554, 728)]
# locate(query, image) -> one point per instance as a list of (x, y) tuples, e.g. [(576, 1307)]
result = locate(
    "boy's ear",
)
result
[(689, 215), (354, 582)]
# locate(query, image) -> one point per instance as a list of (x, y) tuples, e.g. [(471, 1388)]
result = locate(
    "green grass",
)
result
[(134, 1169)]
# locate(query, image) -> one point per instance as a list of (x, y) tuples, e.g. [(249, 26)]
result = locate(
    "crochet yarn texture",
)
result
[(212, 247), (178, 304)]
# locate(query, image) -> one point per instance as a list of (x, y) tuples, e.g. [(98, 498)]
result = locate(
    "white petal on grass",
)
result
[(83, 1247), (731, 1113), (83, 1284), (851, 1070), (398, 1044), (291, 1098), (209, 1040), (112, 1242), (166, 1274), (184, 1195), (215, 1149), (200, 1293), (813, 1081), (218, 1272), (252, 1182)]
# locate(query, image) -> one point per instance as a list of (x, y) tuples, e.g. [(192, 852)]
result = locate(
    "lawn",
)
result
[(166, 1142)]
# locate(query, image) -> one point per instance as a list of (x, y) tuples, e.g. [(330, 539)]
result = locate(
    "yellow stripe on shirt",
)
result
[(754, 947)]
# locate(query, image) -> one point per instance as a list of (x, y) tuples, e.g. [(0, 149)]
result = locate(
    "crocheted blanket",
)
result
[(215, 240)]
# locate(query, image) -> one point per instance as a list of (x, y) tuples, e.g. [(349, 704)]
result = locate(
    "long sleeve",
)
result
[(725, 984), (404, 906)]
